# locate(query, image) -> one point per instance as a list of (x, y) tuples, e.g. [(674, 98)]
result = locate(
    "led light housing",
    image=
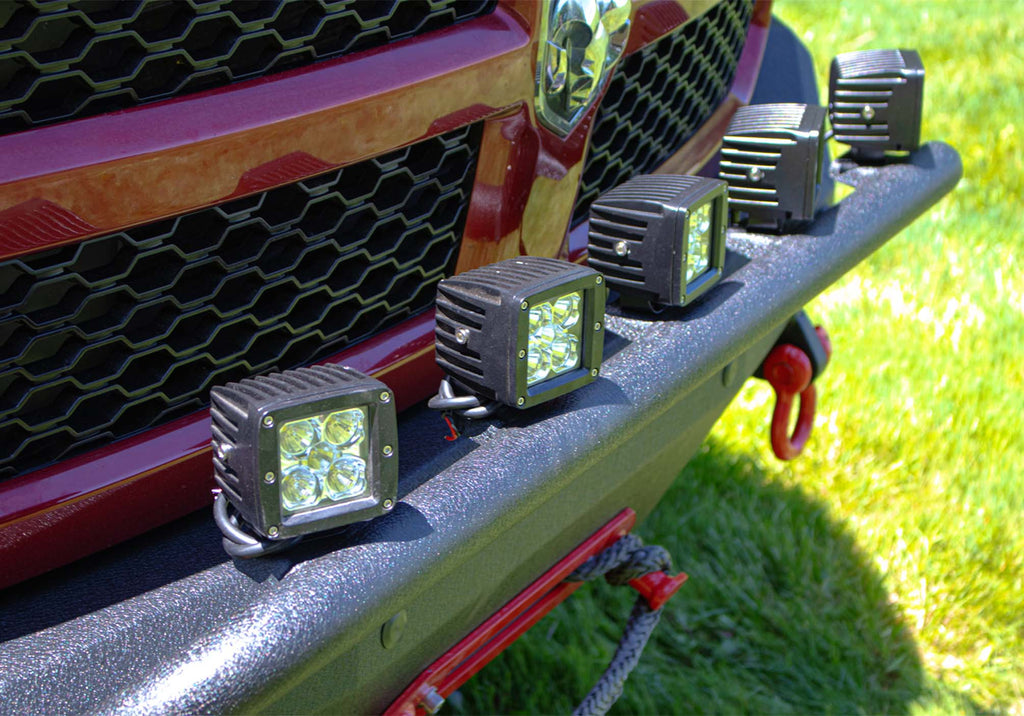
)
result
[(772, 159), (875, 100), (305, 450), (521, 331), (660, 239)]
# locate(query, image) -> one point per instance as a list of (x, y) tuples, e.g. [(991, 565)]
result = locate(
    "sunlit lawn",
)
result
[(884, 570)]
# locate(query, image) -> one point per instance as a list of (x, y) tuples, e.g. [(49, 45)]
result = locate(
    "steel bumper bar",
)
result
[(167, 623)]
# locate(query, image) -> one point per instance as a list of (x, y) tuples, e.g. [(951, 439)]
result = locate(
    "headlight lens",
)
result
[(323, 459), (554, 340), (698, 252)]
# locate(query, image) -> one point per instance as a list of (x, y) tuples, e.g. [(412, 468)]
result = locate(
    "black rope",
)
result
[(466, 406), (237, 541), (625, 560)]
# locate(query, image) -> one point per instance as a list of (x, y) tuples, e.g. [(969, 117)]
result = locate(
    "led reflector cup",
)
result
[(660, 239), (521, 331), (300, 488), (305, 450), (345, 478)]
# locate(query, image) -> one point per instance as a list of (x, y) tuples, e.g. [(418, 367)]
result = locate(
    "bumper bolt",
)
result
[(432, 701)]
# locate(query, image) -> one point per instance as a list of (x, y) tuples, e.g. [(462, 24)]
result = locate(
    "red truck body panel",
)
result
[(68, 182)]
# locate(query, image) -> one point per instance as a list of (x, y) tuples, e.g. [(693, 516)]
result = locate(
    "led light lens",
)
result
[(565, 352), (555, 332), (300, 488), (346, 478), (344, 427), (321, 456), (698, 248), (323, 459), (702, 218), (542, 325), (297, 437), (538, 364), (566, 310)]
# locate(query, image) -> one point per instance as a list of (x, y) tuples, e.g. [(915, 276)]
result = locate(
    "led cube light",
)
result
[(521, 331), (875, 100), (660, 239), (772, 159), (305, 450)]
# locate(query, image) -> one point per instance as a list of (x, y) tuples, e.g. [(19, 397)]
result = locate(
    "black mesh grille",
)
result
[(658, 97), (123, 332), (62, 60)]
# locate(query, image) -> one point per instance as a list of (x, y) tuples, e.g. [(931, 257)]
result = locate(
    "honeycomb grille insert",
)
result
[(659, 97), (126, 331), (60, 60)]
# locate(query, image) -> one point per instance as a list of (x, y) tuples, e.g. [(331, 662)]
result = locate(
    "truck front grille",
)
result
[(60, 60), (659, 97), (124, 332)]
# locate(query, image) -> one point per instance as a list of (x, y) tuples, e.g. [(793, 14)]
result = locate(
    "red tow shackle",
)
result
[(789, 371)]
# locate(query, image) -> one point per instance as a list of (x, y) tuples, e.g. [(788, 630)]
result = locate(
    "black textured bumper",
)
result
[(166, 623)]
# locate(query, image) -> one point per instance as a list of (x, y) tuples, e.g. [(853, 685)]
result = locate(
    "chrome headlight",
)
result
[(581, 40)]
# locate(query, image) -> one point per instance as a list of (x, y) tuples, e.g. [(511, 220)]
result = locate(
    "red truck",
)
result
[(192, 193)]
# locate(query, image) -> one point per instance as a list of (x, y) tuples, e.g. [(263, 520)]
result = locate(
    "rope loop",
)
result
[(622, 562)]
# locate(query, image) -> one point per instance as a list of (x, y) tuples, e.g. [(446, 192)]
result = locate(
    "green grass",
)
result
[(883, 571)]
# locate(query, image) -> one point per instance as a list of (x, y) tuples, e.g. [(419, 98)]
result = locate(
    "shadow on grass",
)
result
[(782, 613)]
